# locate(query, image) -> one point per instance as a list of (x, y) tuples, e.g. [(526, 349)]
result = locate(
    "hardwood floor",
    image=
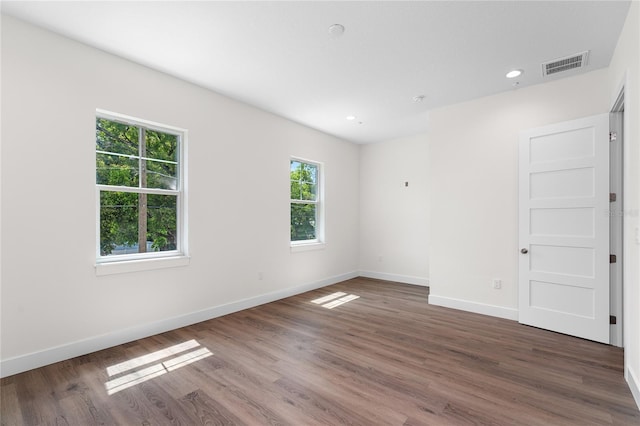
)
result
[(384, 358)]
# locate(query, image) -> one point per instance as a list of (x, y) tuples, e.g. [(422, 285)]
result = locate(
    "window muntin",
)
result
[(139, 184), (305, 201)]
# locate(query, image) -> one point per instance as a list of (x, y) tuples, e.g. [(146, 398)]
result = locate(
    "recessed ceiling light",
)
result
[(336, 30), (350, 117), (514, 73)]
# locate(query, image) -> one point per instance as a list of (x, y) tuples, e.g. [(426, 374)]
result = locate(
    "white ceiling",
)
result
[(279, 56)]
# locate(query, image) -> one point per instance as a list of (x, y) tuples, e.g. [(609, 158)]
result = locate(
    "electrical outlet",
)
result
[(497, 284), (260, 276), (380, 259)]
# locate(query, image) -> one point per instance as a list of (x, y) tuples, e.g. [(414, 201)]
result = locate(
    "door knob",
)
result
[(524, 251)]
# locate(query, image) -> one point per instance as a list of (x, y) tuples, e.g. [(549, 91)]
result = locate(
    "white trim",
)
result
[(405, 279), (128, 119), (622, 83), (33, 360), (138, 265), (318, 202), (157, 160), (138, 190), (306, 246), (478, 308), (616, 219), (139, 261), (617, 115), (634, 385), (623, 88)]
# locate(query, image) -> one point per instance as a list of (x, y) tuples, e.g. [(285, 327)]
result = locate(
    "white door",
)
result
[(564, 228)]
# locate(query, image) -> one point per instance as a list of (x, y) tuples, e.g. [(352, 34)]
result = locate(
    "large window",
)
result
[(139, 177), (306, 212)]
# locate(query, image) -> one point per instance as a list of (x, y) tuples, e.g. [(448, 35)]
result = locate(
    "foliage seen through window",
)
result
[(137, 173), (304, 200)]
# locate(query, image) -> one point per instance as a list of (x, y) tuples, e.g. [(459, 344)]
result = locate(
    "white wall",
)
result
[(473, 164), (625, 70), (394, 219), (53, 304)]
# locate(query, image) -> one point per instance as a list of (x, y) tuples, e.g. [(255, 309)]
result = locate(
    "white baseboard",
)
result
[(634, 385), (478, 308), (406, 279), (33, 360)]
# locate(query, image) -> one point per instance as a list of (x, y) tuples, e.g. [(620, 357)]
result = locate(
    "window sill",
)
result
[(298, 247), (109, 268)]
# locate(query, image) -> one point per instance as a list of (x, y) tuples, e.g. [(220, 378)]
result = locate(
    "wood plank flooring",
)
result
[(384, 358)]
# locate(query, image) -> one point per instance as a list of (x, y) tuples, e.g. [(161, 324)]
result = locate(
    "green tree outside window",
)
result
[(137, 173), (304, 200)]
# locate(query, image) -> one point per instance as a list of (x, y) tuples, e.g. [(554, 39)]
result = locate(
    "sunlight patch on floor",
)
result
[(137, 370), (340, 301), (152, 357), (335, 299)]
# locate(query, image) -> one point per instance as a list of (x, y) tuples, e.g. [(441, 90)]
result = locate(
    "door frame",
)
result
[(616, 221)]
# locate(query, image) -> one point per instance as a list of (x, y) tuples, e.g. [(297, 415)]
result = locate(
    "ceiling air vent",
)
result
[(565, 64)]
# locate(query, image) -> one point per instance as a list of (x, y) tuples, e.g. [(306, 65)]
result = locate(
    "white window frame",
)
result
[(318, 242), (151, 260)]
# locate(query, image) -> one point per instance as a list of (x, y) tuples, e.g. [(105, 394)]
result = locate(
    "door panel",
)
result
[(576, 221), (564, 228)]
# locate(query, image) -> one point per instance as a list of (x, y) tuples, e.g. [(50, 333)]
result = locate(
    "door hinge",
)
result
[(612, 319), (613, 136), (612, 197), (612, 258)]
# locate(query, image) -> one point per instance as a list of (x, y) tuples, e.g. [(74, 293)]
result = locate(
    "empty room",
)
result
[(320, 213)]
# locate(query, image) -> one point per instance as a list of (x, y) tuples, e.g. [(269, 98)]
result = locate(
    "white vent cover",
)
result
[(567, 63)]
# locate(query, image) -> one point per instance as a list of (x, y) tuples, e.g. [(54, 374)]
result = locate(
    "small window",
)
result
[(139, 180), (306, 212)]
